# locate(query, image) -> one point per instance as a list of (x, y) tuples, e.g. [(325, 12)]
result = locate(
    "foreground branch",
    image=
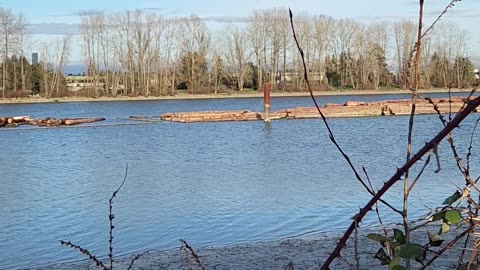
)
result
[(472, 105)]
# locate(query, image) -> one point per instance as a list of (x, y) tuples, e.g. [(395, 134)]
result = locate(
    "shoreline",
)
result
[(183, 96), (304, 253)]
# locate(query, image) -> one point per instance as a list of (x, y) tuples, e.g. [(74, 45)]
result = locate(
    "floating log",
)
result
[(347, 109), (77, 121), (49, 121), (3, 121)]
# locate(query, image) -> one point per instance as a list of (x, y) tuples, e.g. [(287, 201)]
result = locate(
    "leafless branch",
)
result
[(111, 216), (86, 253)]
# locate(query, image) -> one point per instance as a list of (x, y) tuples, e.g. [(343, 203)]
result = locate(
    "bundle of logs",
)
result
[(16, 121), (348, 109)]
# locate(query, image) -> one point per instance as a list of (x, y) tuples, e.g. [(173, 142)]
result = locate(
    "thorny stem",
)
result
[(425, 164), (447, 247), (454, 123), (465, 170), (357, 257), (449, 6), (406, 189), (86, 253), (130, 266), (377, 212), (111, 216), (187, 248), (472, 105), (470, 146), (330, 132)]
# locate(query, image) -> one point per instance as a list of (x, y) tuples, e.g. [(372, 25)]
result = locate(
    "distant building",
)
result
[(34, 58), (76, 83), (476, 73)]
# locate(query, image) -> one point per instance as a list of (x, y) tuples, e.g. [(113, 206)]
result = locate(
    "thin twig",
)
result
[(111, 216), (377, 212), (411, 122), (425, 164), (357, 256), (130, 266), (470, 146), (187, 248), (86, 253), (352, 267), (289, 266), (449, 6), (473, 104), (330, 133), (447, 247)]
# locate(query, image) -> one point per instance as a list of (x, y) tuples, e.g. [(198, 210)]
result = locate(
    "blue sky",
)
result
[(60, 11), (49, 17)]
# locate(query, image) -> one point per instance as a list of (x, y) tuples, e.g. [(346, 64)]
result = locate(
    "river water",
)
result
[(207, 183)]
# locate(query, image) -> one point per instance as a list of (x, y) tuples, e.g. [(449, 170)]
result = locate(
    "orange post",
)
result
[(266, 102)]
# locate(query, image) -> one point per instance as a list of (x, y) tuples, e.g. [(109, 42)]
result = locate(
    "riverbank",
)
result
[(182, 96), (306, 253)]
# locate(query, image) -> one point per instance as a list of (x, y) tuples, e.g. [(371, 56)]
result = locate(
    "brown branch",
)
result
[(447, 247), (411, 122), (449, 6), (330, 132), (470, 146), (289, 266), (130, 266), (410, 161), (188, 248), (421, 36), (377, 211), (85, 252), (305, 76), (472, 105), (414, 182), (111, 216)]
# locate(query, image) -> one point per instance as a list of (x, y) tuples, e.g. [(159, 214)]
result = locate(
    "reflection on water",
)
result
[(209, 183)]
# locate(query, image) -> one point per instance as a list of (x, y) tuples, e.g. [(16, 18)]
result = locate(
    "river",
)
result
[(207, 183)]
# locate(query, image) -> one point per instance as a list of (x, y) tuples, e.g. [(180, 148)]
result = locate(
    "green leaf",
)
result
[(377, 237), (411, 251), (398, 267), (434, 239), (399, 236), (452, 216), (438, 216), (444, 229), (448, 201), (395, 262), (421, 259), (382, 256)]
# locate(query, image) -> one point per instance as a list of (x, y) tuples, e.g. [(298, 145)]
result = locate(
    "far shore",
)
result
[(185, 96)]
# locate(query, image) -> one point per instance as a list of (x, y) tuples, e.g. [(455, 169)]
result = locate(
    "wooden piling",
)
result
[(266, 103)]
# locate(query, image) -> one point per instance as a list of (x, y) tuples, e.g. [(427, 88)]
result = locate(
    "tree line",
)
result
[(21, 77), (139, 53)]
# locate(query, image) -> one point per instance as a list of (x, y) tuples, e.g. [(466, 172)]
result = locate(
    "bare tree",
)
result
[(194, 42), (23, 38), (257, 38), (342, 38), (404, 33), (322, 26), (53, 68), (236, 53), (217, 66), (450, 43), (8, 29)]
